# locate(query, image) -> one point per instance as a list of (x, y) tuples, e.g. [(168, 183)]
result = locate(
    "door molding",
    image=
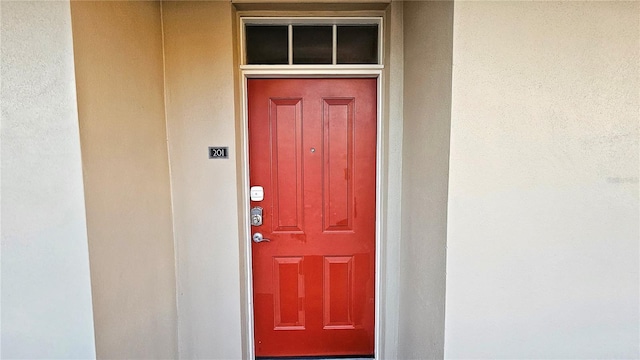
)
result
[(350, 71)]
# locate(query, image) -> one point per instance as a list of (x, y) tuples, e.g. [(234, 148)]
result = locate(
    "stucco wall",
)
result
[(46, 294), (119, 71), (543, 213), (543, 219), (427, 104), (200, 99)]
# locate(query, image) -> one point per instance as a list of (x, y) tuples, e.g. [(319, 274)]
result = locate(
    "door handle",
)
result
[(257, 238)]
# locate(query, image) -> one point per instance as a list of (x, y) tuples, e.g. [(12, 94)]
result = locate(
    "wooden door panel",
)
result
[(338, 117), (285, 119), (312, 146), (288, 307), (339, 279)]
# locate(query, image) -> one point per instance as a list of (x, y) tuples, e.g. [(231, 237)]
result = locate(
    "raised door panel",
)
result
[(338, 116), (285, 121)]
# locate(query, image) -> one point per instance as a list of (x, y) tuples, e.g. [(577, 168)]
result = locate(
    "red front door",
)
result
[(312, 147)]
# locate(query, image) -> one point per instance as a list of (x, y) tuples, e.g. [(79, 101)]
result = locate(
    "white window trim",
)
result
[(290, 21)]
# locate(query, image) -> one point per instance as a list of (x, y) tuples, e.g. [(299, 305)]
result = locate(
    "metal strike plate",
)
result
[(256, 216)]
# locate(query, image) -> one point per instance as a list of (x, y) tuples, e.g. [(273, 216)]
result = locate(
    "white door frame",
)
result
[(288, 71)]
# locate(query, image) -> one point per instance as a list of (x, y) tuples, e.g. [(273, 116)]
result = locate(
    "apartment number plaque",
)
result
[(218, 152)]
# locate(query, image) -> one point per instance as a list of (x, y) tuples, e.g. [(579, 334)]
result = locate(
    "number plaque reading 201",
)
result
[(218, 152)]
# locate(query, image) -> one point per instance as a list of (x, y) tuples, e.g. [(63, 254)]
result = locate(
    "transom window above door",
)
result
[(311, 41)]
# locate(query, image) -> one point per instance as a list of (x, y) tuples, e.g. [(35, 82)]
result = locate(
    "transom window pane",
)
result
[(357, 44), (312, 44), (267, 44), (301, 41)]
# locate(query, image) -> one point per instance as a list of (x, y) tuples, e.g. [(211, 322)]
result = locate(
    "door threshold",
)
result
[(341, 357)]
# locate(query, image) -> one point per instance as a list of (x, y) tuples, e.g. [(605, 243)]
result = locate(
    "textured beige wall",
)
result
[(427, 103), (543, 213), (46, 291), (543, 216), (119, 71), (201, 113)]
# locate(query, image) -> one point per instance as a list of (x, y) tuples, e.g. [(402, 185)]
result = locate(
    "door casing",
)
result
[(245, 233)]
